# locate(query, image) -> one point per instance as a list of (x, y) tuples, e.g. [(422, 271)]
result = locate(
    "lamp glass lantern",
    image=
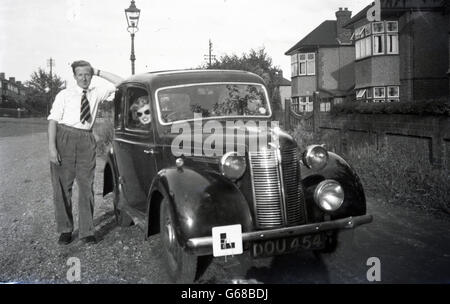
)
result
[(132, 14)]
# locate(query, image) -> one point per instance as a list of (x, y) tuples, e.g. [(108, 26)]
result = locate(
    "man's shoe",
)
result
[(89, 240), (65, 238)]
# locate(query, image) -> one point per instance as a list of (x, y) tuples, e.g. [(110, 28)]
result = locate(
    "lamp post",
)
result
[(132, 14)]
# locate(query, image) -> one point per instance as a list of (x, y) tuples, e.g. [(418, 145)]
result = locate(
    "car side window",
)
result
[(138, 110), (118, 109)]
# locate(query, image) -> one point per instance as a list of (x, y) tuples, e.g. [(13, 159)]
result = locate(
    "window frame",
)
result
[(360, 94), (375, 96), (382, 41), (313, 61), (126, 110), (374, 32), (389, 43), (393, 96), (294, 65), (387, 28), (302, 62)]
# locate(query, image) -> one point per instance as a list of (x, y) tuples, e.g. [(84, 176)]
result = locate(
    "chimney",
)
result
[(342, 17), (2, 76), (12, 79)]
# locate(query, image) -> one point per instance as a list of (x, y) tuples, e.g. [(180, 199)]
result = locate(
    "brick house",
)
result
[(284, 89), (322, 63), (10, 89), (405, 56)]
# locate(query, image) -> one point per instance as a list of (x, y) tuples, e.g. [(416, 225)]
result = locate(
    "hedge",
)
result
[(422, 107)]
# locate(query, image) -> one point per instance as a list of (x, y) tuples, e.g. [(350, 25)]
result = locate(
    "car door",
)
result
[(135, 148)]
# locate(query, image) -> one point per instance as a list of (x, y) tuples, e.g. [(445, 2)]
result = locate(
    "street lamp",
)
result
[(132, 14)]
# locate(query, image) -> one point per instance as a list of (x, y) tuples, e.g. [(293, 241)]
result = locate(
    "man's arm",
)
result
[(116, 80), (53, 152)]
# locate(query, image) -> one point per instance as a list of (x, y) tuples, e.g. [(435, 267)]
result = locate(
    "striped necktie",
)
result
[(85, 114)]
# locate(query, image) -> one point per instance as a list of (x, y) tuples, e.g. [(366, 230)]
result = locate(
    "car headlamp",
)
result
[(233, 166), (315, 157), (329, 195)]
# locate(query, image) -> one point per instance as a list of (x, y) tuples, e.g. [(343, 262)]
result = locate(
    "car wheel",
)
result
[(181, 266), (122, 219)]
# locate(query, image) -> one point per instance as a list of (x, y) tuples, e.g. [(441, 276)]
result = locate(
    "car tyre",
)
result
[(181, 266), (122, 219)]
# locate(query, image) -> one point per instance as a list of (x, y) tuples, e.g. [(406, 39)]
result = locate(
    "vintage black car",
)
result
[(197, 159)]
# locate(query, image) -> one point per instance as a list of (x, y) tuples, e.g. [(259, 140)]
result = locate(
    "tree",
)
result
[(42, 90), (258, 62)]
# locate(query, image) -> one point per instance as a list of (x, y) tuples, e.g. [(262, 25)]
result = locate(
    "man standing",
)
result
[(72, 149)]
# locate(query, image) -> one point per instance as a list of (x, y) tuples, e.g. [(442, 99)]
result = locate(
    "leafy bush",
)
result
[(423, 107), (398, 176)]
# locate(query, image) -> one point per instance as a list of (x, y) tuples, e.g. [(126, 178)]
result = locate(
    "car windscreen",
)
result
[(212, 100)]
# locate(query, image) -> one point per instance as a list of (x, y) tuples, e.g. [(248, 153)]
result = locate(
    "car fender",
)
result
[(199, 202), (338, 169)]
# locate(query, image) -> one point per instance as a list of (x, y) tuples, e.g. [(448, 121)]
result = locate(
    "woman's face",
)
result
[(144, 115)]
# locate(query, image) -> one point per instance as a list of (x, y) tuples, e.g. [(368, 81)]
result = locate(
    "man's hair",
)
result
[(81, 63)]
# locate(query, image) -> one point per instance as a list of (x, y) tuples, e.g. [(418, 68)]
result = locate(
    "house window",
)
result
[(378, 27), (392, 26), (369, 93), (360, 94), (363, 45), (302, 64), (358, 49), (377, 38), (378, 44), (392, 43), (325, 106), (393, 91), (338, 100), (380, 92), (311, 64), (306, 64), (368, 42), (306, 104), (294, 65)]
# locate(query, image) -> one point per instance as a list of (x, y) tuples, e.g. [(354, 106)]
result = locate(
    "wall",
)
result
[(285, 93), (426, 135), (424, 49), (380, 70), (303, 85), (336, 67)]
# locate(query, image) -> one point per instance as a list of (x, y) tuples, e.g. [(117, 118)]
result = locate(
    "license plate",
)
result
[(288, 245)]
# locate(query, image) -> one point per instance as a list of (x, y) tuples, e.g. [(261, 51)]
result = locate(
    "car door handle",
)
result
[(150, 151)]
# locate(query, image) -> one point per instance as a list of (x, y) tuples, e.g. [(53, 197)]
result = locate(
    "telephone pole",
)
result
[(210, 57), (51, 64)]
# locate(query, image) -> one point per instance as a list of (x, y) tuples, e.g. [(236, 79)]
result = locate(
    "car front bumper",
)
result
[(203, 245)]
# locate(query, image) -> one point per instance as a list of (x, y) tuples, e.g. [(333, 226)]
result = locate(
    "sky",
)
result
[(173, 34)]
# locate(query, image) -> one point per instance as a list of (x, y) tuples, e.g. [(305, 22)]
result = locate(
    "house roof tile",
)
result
[(323, 35)]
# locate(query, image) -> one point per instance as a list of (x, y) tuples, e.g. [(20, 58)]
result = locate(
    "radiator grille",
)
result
[(294, 198), (270, 182)]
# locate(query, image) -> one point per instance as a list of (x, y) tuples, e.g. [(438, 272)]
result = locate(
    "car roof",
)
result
[(160, 79)]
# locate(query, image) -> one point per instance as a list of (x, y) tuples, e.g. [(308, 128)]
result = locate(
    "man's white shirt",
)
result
[(67, 105)]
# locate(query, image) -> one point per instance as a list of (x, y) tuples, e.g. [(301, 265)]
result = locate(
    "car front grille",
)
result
[(277, 190)]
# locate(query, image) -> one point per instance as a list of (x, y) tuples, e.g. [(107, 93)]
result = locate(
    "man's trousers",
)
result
[(76, 148)]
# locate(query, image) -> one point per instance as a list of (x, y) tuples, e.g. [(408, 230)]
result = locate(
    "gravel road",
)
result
[(412, 247)]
